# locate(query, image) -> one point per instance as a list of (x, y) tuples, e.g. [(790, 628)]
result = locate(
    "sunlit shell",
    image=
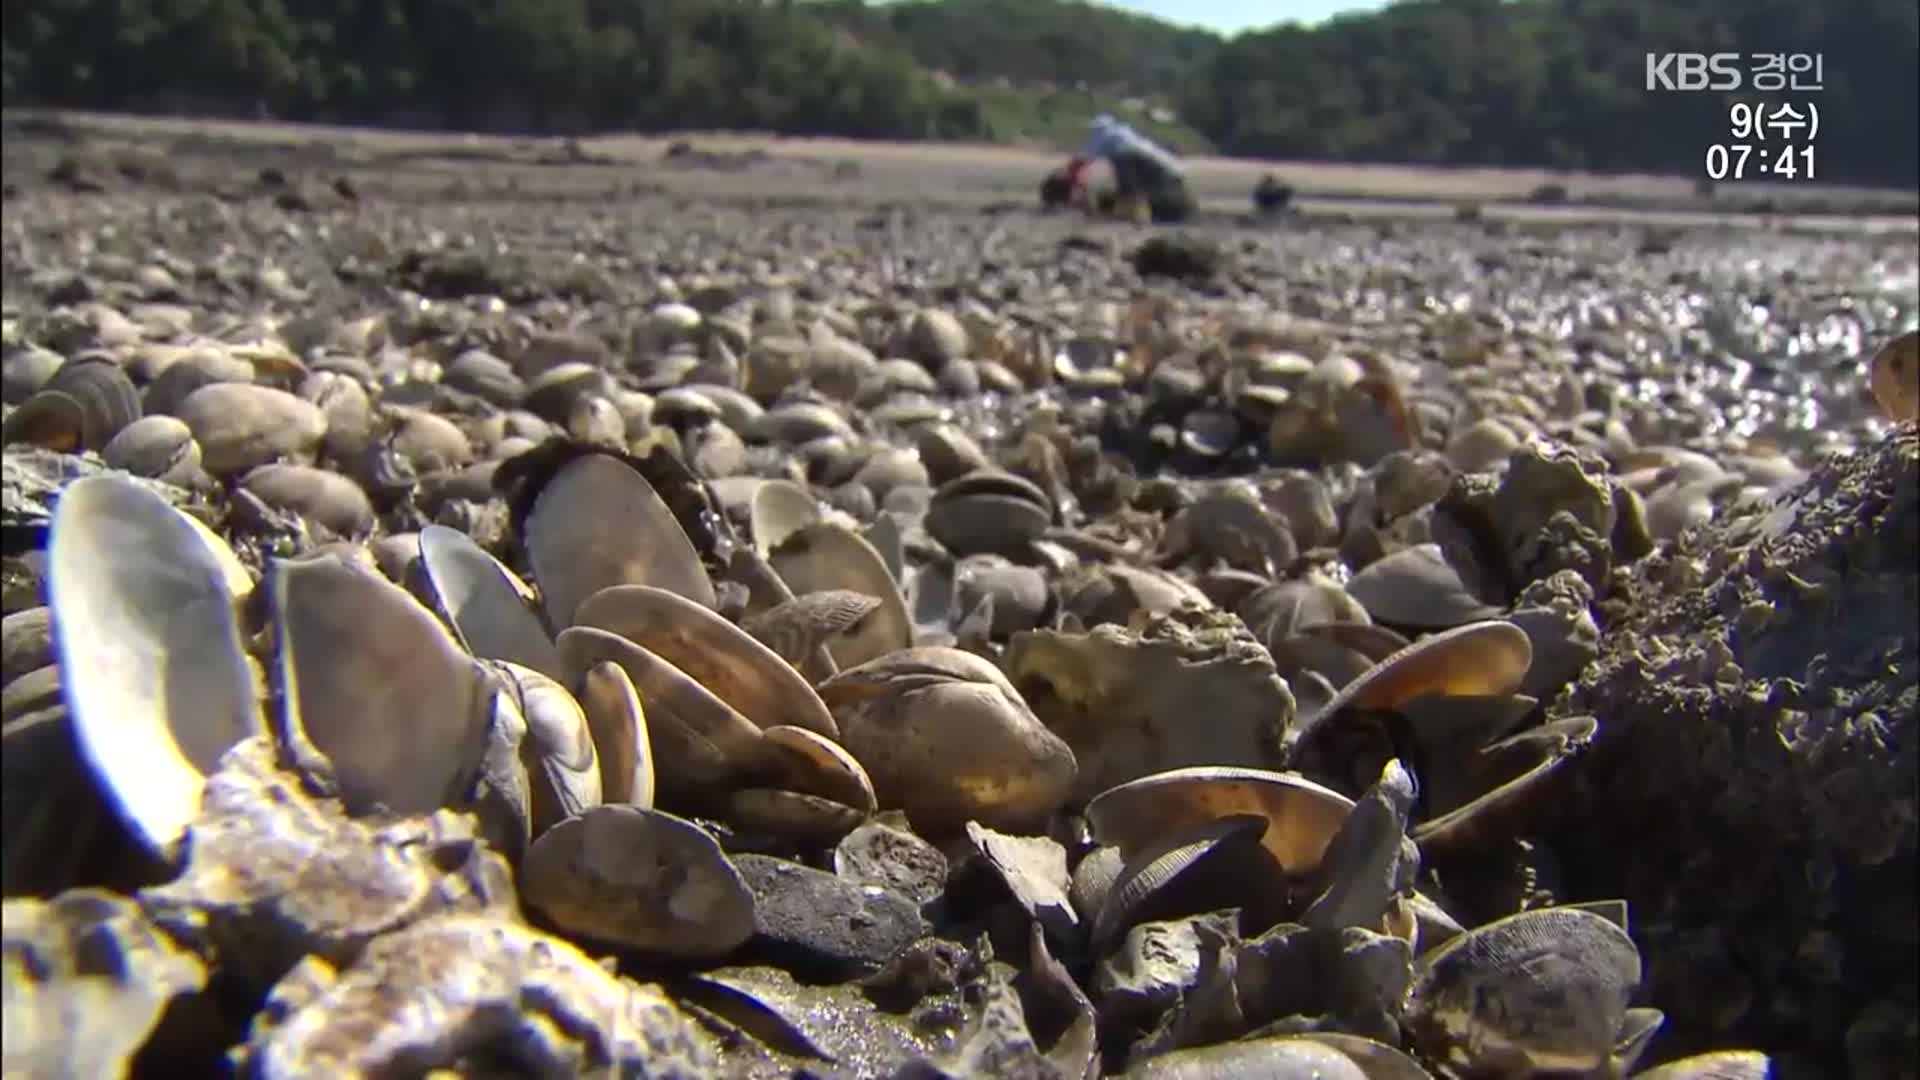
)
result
[(780, 509), (483, 601), (376, 684), (1485, 658), (805, 760), (149, 640), (697, 739), (713, 652), (1542, 990), (945, 737), (641, 879), (598, 523), (826, 556), (1302, 816), (620, 738), (562, 769)]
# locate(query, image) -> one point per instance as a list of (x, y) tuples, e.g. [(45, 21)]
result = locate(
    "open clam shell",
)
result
[(805, 760), (373, 683), (1544, 990), (482, 601), (157, 679), (825, 556), (1483, 658), (598, 523), (780, 508), (1302, 816), (720, 656), (619, 726)]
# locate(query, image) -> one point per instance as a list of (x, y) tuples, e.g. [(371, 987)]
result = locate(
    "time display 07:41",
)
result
[(1746, 161)]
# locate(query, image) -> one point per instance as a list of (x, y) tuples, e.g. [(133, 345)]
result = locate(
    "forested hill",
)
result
[(1557, 83)]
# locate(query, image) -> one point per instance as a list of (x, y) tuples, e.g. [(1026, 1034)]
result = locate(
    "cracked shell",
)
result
[(825, 556), (144, 606)]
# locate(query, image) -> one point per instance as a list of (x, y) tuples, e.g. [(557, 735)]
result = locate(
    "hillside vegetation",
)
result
[(1554, 83)]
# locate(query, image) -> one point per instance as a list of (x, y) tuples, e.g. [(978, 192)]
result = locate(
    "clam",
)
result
[(988, 511), (1717, 1065), (618, 724), (598, 523), (1202, 867), (558, 751), (825, 556), (377, 693), (144, 608), (1417, 587), (697, 740), (641, 879), (1302, 816), (712, 651), (240, 426), (1544, 990), (87, 402), (796, 629), (1484, 658), (483, 602), (948, 739), (160, 447), (1233, 526)]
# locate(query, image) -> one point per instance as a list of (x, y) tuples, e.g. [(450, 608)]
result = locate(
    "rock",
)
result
[(1758, 743), (1188, 258), (821, 926)]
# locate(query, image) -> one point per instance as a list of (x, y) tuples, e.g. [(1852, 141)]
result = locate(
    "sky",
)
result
[(1232, 16)]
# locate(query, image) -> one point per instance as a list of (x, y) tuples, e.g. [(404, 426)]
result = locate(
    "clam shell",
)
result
[(807, 761), (1206, 867), (825, 556), (1302, 816), (1417, 587), (160, 447), (377, 686), (639, 878), (482, 601), (796, 628), (796, 815), (563, 771), (144, 608), (697, 740), (1542, 990), (780, 509), (1376, 1059), (715, 653), (88, 401), (620, 738), (1484, 658), (598, 523)]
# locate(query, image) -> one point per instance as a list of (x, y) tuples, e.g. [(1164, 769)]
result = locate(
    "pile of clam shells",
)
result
[(693, 668)]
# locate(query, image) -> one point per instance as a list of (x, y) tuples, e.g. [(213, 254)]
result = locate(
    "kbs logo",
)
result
[(1693, 71)]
